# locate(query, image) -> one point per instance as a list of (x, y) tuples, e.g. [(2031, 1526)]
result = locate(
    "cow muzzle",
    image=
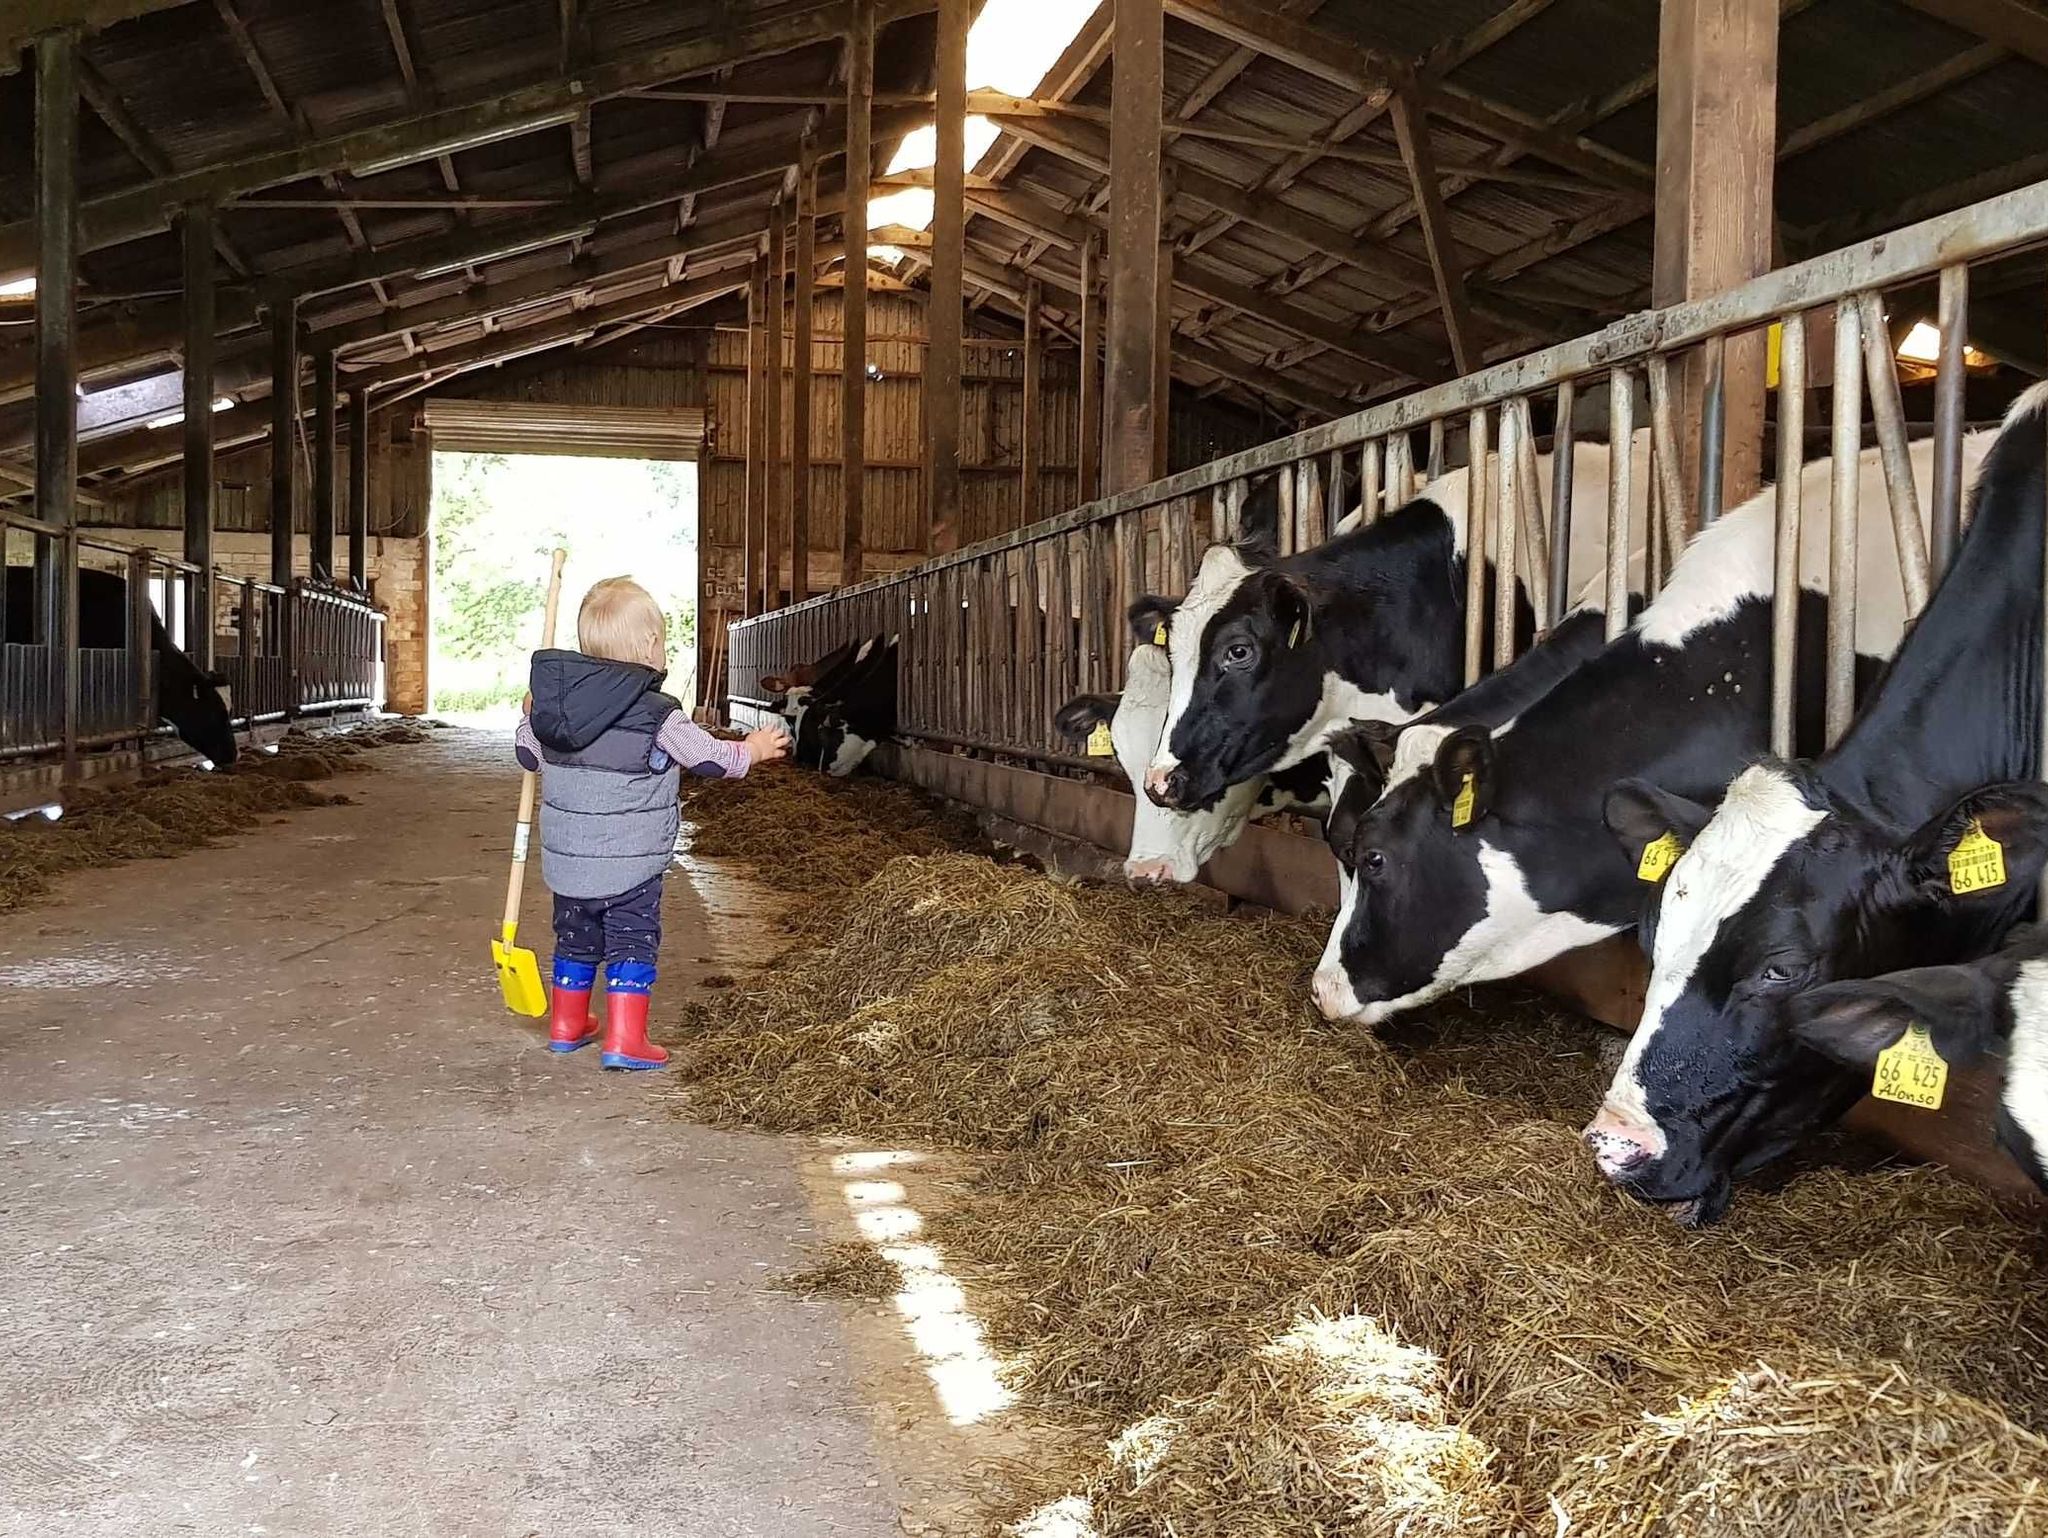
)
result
[(1166, 786), (1335, 998), (1619, 1147), (1156, 872)]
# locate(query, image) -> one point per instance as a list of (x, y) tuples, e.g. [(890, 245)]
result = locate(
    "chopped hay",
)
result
[(1181, 1163), (845, 1269), (168, 812)]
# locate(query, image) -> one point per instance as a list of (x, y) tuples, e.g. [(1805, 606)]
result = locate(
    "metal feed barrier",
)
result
[(304, 650), (995, 637)]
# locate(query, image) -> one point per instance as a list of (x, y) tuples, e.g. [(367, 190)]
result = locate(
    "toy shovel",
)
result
[(518, 968)]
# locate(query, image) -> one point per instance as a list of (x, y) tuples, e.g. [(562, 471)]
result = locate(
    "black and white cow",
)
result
[(188, 699), (848, 711), (1811, 873), (1971, 1011), (1270, 658), (1438, 894)]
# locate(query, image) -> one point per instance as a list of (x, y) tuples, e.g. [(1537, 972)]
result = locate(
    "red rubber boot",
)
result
[(625, 1033), (571, 1024)]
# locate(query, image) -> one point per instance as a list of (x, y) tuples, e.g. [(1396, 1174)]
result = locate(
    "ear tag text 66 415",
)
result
[(1977, 863), (1461, 804), (1100, 743), (1659, 855), (1911, 1072)]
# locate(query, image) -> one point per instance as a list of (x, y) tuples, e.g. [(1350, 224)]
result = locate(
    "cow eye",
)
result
[(1372, 863), (1780, 973), (1237, 655)]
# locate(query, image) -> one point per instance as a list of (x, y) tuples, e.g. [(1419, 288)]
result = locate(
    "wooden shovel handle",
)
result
[(529, 782)]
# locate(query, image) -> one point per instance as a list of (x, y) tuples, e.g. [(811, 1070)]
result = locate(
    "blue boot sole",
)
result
[(570, 1046), (620, 1060)]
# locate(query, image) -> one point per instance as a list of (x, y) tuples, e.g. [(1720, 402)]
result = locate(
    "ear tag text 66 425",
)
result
[(1659, 855), (1977, 863), (1461, 804), (1911, 1072), (1100, 743)]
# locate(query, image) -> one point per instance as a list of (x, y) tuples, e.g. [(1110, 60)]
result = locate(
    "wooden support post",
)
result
[(757, 431), (1136, 200), (324, 404), (943, 323), (1162, 361), (359, 490), (772, 523), (1032, 426), (1411, 131), (1091, 368), (800, 390), (1717, 118), (56, 157), (200, 313), (853, 371), (284, 430)]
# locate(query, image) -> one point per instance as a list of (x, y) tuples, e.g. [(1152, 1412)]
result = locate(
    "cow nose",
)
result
[(1152, 872), (1166, 787), (1334, 995), (1618, 1147)]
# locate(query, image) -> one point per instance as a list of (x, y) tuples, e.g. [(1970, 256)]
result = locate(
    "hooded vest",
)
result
[(608, 819)]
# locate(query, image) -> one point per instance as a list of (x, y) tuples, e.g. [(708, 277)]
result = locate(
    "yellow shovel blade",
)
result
[(519, 977)]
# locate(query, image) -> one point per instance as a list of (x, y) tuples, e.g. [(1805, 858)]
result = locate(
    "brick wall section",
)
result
[(398, 585)]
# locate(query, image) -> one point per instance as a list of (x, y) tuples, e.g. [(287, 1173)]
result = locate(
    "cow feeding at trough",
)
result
[(1253, 1276)]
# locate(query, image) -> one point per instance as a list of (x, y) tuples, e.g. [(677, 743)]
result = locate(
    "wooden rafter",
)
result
[(2018, 25), (1411, 129)]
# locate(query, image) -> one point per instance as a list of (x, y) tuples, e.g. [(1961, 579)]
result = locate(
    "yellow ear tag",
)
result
[(1659, 855), (1100, 743), (1977, 863), (1159, 634), (1461, 805), (1910, 1071), (1294, 636)]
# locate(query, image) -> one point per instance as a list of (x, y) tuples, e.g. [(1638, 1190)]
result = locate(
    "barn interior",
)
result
[(987, 306)]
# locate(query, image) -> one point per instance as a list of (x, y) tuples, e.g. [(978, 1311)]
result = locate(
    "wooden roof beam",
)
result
[(144, 210), (2016, 25), (26, 20), (1411, 130)]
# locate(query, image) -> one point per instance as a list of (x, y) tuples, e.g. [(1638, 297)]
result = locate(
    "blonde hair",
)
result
[(620, 621)]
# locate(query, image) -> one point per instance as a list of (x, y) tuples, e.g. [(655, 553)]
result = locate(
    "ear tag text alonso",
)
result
[(1911, 1072)]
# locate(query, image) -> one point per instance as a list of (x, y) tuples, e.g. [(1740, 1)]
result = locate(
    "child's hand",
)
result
[(767, 744), (526, 705)]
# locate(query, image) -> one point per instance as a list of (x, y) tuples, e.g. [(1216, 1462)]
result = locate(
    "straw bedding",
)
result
[(168, 812), (1274, 1279)]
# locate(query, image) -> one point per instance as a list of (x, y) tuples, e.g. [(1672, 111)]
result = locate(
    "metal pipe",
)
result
[(1953, 318), (1476, 503), (1436, 448), (1621, 476), (324, 404), (1882, 375), (359, 489), (1562, 474), (1785, 591), (197, 513), (1664, 455), (1507, 527), (1400, 471), (284, 426), (1535, 529), (1369, 469), (1846, 410), (1713, 430)]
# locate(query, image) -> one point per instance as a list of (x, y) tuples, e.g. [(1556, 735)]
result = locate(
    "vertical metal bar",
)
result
[(359, 489), (1333, 497), (1881, 374), (1436, 448), (1953, 317), (284, 429), (1563, 472), (141, 653), (1476, 503), (1508, 523), (56, 426), (1370, 465), (1529, 503), (322, 564), (200, 310), (1785, 591), (1713, 430), (1400, 471), (1621, 476), (1667, 455), (1847, 415)]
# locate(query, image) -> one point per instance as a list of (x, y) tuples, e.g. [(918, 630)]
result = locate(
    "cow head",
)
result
[(191, 702), (1968, 1011), (824, 740), (1786, 888), (1247, 680)]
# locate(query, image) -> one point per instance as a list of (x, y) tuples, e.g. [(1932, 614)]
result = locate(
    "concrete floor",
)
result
[(304, 1235)]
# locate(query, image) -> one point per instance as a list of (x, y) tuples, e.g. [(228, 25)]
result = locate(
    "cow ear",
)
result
[(1357, 746), (1986, 848), (1639, 814), (1964, 1009), (1258, 518), (774, 683), (1083, 713), (1149, 617), (1294, 611), (1466, 774)]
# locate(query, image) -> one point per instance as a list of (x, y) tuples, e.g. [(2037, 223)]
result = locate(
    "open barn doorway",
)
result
[(615, 486), (495, 518)]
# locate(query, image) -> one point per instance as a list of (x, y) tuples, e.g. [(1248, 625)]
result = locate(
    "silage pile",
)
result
[(1278, 1280), (168, 812)]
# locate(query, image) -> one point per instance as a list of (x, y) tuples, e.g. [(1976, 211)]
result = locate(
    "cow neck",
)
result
[(1960, 705), (1388, 601)]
